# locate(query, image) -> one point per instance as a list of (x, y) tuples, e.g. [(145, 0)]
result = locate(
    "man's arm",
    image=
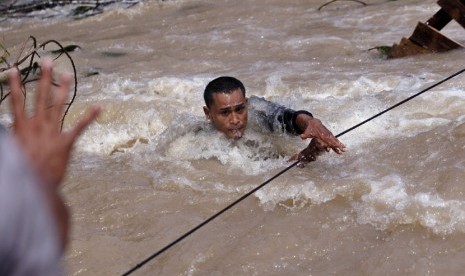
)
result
[(29, 243), (275, 117), (301, 122)]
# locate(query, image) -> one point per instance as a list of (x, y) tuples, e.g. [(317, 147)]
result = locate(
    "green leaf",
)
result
[(384, 51)]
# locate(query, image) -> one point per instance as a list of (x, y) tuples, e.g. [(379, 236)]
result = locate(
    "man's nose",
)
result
[(234, 118)]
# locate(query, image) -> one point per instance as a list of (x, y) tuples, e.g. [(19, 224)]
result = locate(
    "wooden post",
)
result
[(455, 8), (439, 20)]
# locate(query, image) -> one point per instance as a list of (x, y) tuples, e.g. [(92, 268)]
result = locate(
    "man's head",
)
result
[(226, 106)]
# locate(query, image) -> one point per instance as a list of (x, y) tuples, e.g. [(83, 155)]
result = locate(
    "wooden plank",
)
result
[(431, 39), (439, 20), (455, 9)]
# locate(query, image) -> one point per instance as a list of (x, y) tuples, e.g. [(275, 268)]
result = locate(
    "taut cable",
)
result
[(279, 174)]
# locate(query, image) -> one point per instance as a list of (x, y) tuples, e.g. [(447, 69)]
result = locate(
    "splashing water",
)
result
[(150, 168)]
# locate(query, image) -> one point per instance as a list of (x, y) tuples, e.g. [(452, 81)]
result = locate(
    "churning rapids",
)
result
[(393, 204)]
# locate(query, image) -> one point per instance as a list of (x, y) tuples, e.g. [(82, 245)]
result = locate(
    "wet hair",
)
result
[(221, 85)]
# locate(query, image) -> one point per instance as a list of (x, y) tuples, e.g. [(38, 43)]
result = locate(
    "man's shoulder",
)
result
[(254, 98), (256, 102)]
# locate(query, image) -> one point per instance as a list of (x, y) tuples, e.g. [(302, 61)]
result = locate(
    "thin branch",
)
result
[(33, 68)]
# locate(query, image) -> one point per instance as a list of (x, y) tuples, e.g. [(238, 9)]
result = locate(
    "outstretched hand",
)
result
[(40, 136), (41, 140), (322, 140), (310, 153)]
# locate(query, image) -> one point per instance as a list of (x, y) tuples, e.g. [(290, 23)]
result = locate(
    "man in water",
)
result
[(228, 109)]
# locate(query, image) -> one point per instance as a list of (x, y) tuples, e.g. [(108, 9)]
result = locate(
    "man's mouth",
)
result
[(236, 133)]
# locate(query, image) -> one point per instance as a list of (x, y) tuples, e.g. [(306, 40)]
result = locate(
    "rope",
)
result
[(279, 174)]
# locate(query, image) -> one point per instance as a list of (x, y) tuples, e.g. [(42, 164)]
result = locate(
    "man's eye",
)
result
[(240, 109), (224, 112)]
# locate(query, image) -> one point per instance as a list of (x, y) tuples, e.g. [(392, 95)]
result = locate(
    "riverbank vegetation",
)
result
[(27, 61)]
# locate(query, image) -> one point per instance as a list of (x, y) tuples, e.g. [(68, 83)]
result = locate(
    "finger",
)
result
[(308, 154), (307, 158), (303, 160), (306, 135), (339, 149), (16, 98), (332, 141), (88, 118), (60, 99), (336, 150), (340, 146), (44, 88)]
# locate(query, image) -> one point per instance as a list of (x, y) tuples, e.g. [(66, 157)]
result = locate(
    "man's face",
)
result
[(228, 113)]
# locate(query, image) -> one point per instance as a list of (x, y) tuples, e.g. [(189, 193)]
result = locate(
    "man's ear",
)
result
[(207, 112)]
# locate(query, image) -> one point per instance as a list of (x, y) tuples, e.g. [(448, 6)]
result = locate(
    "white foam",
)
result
[(103, 138), (389, 204), (252, 154), (299, 194)]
